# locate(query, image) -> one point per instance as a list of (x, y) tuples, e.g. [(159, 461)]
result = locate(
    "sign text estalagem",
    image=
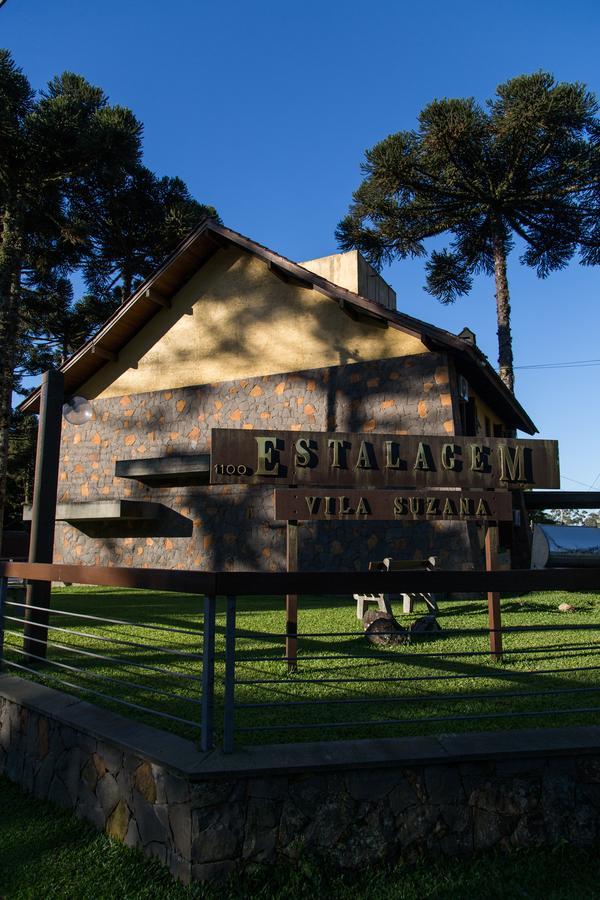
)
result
[(381, 460)]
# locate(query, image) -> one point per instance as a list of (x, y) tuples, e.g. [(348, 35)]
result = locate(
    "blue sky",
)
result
[(265, 110)]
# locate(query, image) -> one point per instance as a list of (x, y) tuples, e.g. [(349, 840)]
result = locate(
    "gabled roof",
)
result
[(203, 243)]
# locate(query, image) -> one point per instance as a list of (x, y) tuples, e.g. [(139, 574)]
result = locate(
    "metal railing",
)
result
[(262, 690), (128, 663)]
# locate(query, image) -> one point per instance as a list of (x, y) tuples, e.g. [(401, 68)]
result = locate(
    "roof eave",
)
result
[(221, 236)]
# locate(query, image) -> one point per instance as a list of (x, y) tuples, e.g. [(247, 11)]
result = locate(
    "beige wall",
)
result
[(236, 319), (483, 411)]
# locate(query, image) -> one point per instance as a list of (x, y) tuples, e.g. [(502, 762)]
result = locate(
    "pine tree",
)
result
[(74, 195), (528, 164)]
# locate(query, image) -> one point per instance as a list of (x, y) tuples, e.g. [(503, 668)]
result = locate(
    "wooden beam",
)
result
[(359, 315), (156, 297), (373, 321), (349, 310), (103, 353), (493, 597), (287, 277), (217, 239), (561, 499)]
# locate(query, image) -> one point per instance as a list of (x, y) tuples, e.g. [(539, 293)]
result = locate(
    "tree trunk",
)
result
[(505, 354), (10, 268)]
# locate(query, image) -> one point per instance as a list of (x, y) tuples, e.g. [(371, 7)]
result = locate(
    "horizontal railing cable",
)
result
[(76, 615), (492, 673), (123, 661), (390, 656), (87, 673), (421, 721), (442, 632), (80, 687), (101, 637), (417, 698)]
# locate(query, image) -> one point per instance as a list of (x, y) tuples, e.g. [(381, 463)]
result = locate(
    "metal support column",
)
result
[(3, 595), (291, 600), (208, 673), (41, 545), (229, 713)]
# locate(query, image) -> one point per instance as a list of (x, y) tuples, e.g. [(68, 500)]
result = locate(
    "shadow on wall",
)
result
[(253, 323), (168, 523)]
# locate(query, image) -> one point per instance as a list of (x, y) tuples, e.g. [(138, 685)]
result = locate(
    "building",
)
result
[(230, 334)]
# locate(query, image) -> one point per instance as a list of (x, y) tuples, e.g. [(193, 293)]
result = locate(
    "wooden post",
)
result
[(291, 600), (41, 545), (493, 597)]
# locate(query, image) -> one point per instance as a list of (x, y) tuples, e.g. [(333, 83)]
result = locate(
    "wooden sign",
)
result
[(343, 460), (352, 505)]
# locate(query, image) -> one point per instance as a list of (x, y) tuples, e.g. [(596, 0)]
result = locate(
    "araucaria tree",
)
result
[(527, 165), (74, 195)]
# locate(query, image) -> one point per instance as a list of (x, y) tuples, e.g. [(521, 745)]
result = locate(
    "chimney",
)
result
[(468, 336), (352, 271)]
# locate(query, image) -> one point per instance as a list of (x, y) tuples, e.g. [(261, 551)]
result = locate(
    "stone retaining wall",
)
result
[(349, 804)]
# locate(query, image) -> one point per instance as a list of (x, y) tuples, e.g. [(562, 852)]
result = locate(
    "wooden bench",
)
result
[(383, 601)]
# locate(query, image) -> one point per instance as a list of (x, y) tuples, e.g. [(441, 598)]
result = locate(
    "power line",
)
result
[(576, 364), (582, 483), (592, 485)]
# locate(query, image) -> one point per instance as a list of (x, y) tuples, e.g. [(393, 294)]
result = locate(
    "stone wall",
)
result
[(348, 804), (231, 527)]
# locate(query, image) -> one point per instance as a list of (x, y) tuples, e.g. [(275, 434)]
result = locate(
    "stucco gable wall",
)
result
[(236, 319)]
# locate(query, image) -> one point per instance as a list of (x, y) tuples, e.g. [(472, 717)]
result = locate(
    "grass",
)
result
[(417, 688), (46, 853)]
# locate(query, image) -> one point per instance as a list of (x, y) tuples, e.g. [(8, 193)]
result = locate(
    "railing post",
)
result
[(493, 597), (43, 512), (208, 673), (291, 600), (229, 713), (3, 595)]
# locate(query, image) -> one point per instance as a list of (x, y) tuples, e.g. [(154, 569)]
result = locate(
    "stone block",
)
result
[(180, 821), (157, 850), (371, 785), (213, 871), (208, 793), (68, 768), (132, 837), (89, 774), (588, 769), (530, 831), (218, 832), (443, 785), (292, 825), (262, 821), (108, 793), (514, 797), (488, 828), (58, 793), (583, 825), (414, 824), (308, 792), (118, 822), (268, 788), (143, 782), (110, 757), (88, 807), (149, 823)]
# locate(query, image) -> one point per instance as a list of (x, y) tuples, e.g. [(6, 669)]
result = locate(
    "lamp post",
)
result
[(43, 512)]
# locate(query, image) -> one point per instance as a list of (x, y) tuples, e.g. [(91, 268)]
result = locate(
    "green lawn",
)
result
[(45, 853), (411, 684)]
